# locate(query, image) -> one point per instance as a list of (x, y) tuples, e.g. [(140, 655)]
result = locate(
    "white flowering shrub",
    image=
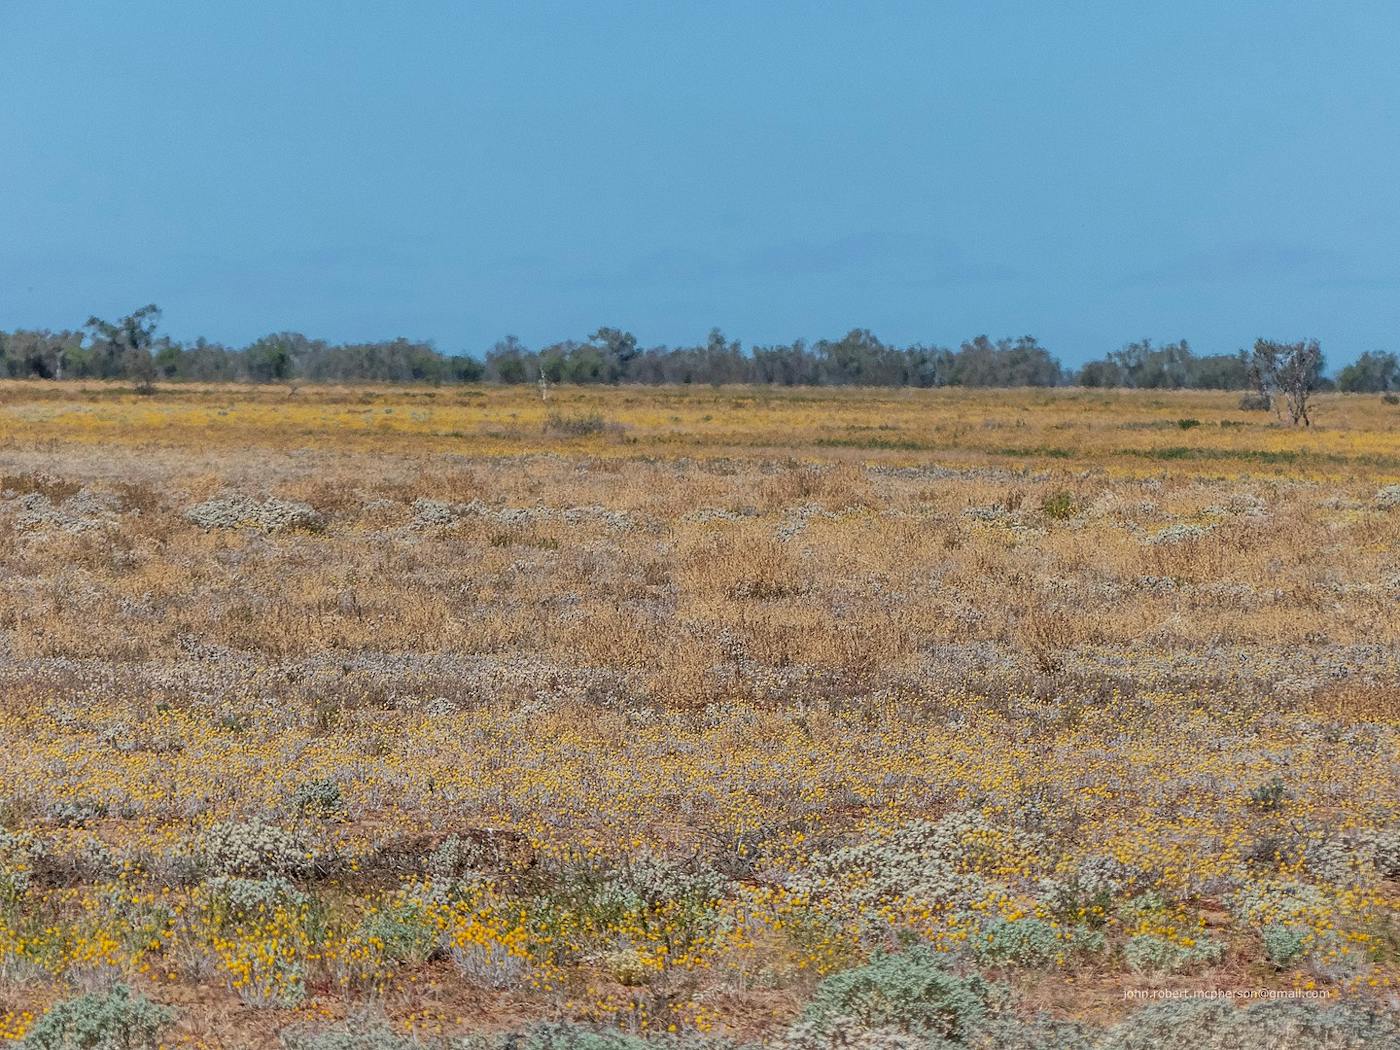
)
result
[(243, 512), (1388, 497), (238, 899), (253, 849), (934, 863), (1177, 533)]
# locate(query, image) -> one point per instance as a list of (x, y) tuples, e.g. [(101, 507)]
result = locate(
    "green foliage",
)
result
[(1374, 372), (1269, 796), (405, 931), (1283, 944), (130, 349), (1031, 942), (909, 992), (1060, 505), (116, 1020), (319, 798), (1171, 366), (1148, 953)]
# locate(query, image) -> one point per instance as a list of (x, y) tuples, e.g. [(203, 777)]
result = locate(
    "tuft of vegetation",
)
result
[(582, 424), (113, 1020), (911, 992)]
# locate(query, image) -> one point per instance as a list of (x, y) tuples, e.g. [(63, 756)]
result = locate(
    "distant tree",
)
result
[(510, 362), (981, 362), (1220, 372), (116, 347), (1151, 367), (464, 369), (140, 367), (1292, 371), (1101, 374), (926, 366), (858, 358), (785, 365), (39, 354), (204, 361), (269, 359), (1374, 372), (614, 351)]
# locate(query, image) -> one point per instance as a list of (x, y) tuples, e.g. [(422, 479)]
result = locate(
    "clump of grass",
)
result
[(1059, 505), (582, 424)]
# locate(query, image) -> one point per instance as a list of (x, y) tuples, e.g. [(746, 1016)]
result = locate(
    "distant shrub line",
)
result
[(130, 349)]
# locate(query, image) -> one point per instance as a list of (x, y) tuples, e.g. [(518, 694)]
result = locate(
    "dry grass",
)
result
[(733, 629)]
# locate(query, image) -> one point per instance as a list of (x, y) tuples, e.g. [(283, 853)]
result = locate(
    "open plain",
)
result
[(665, 712)]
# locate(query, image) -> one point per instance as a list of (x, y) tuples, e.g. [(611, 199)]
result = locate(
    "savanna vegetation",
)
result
[(132, 349), (616, 718)]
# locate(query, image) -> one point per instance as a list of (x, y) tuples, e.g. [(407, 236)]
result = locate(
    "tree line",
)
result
[(132, 349)]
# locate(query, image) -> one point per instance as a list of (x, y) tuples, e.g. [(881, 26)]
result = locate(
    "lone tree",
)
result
[(1291, 371), (124, 348)]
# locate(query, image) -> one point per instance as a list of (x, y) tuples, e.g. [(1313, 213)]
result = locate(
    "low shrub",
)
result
[(1032, 942), (911, 992), (580, 425), (1059, 505), (253, 849), (1192, 1024), (115, 1020), (1148, 953)]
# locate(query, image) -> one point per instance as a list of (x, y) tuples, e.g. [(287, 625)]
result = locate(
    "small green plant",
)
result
[(405, 931), (1059, 505), (1283, 944), (116, 1020), (319, 798), (1188, 424), (1269, 796), (1148, 953), (1031, 942)]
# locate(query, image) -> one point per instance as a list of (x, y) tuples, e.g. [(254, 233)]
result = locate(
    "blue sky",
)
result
[(1089, 173)]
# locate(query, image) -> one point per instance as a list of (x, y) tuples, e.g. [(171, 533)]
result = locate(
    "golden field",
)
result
[(453, 710)]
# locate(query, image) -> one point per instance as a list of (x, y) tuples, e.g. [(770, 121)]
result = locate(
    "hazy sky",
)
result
[(1089, 173)]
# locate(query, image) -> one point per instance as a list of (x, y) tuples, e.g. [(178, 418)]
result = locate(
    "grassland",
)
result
[(658, 711)]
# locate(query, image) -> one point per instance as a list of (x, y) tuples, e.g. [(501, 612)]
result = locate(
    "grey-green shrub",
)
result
[(1148, 953), (319, 797), (116, 1020), (1031, 942), (357, 1033), (911, 992), (405, 931), (1213, 1024)]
